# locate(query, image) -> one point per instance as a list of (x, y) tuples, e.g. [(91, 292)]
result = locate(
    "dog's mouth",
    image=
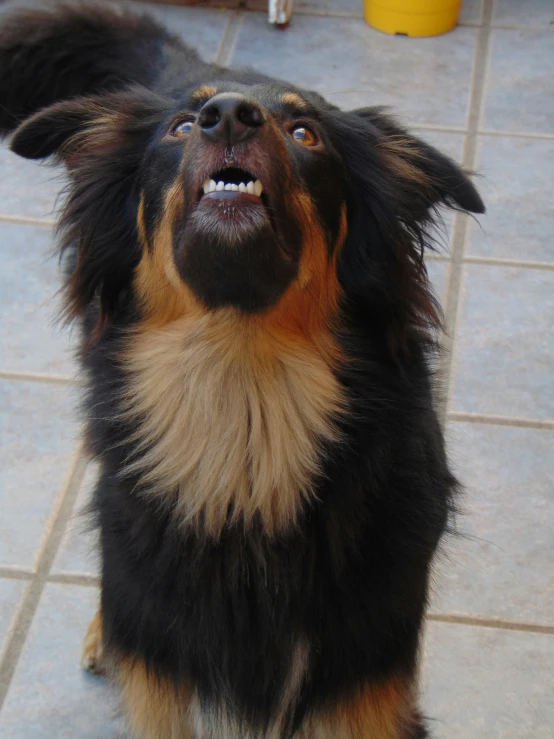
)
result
[(230, 250), (234, 184)]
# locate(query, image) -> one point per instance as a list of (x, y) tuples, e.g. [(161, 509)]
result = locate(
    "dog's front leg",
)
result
[(92, 657), (383, 711), (153, 708)]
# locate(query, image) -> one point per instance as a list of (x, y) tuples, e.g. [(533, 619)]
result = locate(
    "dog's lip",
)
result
[(233, 195)]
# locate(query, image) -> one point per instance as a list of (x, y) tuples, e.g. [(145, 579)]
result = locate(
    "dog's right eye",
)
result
[(182, 128)]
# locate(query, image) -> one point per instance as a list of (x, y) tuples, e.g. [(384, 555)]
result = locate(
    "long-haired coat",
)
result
[(246, 263)]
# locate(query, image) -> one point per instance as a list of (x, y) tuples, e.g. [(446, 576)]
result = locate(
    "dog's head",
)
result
[(257, 198)]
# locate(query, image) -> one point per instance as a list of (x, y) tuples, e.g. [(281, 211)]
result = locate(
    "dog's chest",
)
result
[(229, 422)]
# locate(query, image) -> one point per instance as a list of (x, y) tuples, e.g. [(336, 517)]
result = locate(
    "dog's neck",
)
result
[(231, 417)]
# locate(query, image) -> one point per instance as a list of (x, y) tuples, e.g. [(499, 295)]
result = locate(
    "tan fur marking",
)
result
[(153, 707), (232, 418), (162, 292), (376, 712), (103, 132), (92, 657), (403, 158), (293, 98), (204, 93)]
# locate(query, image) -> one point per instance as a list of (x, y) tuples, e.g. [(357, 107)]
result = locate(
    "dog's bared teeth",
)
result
[(253, 187)]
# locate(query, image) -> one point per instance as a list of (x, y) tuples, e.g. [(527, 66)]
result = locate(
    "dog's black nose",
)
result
[(230, 117)]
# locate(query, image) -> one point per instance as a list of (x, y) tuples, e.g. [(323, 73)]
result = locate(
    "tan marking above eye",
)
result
[(293, 98), (204, 93), (303, 135)]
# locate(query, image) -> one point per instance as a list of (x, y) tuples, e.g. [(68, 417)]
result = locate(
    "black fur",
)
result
[(352, 576)]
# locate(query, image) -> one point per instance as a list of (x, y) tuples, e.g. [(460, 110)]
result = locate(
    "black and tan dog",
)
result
[(246, 262)]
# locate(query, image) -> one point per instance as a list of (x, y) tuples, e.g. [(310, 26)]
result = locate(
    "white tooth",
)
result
[(228, 187), (258, 188), (242, 187), (250, 188), (220, 186), (213, 186), (206, 186), (235, 188)]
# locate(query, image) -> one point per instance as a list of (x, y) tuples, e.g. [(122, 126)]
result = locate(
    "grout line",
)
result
[(27, 220), (434, 257), (495, 420), (461, 224), (324, 13), (436, 127), (486, 67), (30, 603), (349, 14), (13, 625), (38, 377), (516, 134), (229, 38), (509, 27), (15, 573), (500, 262), (70, 578), (491, 623)]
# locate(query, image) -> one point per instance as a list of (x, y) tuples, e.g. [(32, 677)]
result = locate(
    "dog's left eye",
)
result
[(304, 136), (182, 128)]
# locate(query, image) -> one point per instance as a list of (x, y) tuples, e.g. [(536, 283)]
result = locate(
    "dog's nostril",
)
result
[(249, 115), (209, 116)]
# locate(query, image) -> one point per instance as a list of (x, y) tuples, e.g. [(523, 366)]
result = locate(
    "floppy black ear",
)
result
[(102, 141), (46, 133), (91, 126), (418, 161), (396, 182)]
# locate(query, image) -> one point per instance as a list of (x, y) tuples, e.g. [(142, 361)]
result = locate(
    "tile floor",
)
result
[(484, 94)]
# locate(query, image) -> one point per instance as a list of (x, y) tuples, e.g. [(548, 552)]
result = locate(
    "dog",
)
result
[(245, 261)]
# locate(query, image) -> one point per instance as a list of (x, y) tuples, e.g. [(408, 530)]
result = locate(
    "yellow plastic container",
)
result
[(412, 17)]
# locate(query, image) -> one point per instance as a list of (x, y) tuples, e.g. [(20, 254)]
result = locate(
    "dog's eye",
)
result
[(182, 128), (304, 136)]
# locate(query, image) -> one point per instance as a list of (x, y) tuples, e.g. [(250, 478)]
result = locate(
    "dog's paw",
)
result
[(92, 657)]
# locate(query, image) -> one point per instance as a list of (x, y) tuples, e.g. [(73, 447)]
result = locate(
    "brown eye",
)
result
[(304, 136), (183, 128)]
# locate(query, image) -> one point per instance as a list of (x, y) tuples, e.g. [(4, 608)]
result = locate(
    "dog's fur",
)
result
[(273, 479)]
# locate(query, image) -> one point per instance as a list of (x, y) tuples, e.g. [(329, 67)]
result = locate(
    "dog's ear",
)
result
[(86, 127), (48, 132), (433, 175), (396, 184), (102, 141)]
